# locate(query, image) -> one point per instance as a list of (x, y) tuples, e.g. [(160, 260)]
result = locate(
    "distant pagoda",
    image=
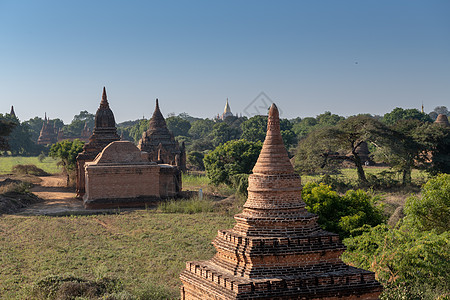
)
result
[(442, 120), (105, 132), (48, 134), (276, 250), (160, 143)]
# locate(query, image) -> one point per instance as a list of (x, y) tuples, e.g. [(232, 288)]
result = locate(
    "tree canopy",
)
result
[(230, 159)]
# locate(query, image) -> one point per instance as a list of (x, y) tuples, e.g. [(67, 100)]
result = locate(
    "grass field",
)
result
[(142, 248), (48, 164)]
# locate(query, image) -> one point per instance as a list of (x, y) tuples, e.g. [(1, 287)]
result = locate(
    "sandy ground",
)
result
[(58, 200)]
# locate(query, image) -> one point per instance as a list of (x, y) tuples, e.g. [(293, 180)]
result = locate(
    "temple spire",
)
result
[(12, 113), (157, 121), (104, 103), (45, 118), (273, 158)]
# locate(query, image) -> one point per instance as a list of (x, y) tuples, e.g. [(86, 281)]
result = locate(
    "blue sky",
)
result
[(346, 57)]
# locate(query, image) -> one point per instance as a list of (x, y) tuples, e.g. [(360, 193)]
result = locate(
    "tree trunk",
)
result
[(360, 170), (406, 176)]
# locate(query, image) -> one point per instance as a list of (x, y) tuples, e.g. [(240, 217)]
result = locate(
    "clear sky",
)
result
[(346, 57)]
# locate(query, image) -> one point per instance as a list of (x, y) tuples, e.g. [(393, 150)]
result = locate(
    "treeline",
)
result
[(311, 134)]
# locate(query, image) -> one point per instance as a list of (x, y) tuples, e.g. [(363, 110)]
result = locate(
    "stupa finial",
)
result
[(104, 103)]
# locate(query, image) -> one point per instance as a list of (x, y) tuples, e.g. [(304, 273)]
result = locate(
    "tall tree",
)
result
[(340, 143), (404, 114), (6, 127), (178, 126), (230, 159)]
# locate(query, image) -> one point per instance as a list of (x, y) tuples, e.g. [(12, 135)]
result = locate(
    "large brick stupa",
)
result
[(276, 250)]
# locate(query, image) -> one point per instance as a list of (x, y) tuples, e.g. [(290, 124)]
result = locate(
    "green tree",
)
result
[(195, 159), (67, 152), (409, 264), (431, 211), (230, 159), (340, 143), (201, 128), (222, 133), (403, 154), (436, 140), (138, 129), (254, 129), (6, 127), (19, 139), (341, 214), (412, 260), (178, 126), (405, 114)]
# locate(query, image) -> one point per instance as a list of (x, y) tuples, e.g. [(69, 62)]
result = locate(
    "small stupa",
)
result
[(442, 120), (276, 250)]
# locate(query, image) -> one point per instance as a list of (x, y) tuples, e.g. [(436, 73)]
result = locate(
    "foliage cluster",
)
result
[(230, 159), (412, 260), (341, 214)]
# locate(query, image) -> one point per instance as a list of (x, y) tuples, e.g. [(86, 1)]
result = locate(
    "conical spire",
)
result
[(227, 108), (12, 113), (104, 103), (273, 158), (157, 121)]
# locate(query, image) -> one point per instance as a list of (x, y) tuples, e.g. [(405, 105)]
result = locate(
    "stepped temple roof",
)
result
[(276, 250)]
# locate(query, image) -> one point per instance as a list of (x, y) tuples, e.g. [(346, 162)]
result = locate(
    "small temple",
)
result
[(160, 143), (48, 134), (276, 250), (105, 132)]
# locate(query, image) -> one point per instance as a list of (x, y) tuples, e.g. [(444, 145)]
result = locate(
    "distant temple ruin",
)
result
[(104, 133), (49, 134), (160, 144), (276, 250)]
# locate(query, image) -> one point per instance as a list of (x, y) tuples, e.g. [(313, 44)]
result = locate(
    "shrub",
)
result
[(240, 183), (410, 264), (341, 214), (71, 287), (29, 170), (432, 210)]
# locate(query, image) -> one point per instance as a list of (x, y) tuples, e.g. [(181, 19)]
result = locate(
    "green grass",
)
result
[(142, 248), (187, 206), (48, 164), (196, 182), (417, 176)]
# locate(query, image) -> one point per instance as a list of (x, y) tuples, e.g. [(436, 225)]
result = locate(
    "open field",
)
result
[(48, 164), (141, 248)]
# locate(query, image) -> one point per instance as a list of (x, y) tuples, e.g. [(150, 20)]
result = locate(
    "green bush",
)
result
[(229, 159), (71, 287), (410, 264), (341, 214), (240, 183), (431, 211)]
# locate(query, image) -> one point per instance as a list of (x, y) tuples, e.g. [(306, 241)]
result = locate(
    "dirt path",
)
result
[(58, 200)]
